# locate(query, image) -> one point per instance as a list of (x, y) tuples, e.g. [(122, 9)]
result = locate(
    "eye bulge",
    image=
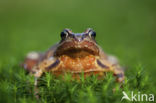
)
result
[(92, 34), (64, 34)]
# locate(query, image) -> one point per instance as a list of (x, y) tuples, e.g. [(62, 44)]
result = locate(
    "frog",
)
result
[(75, 53)]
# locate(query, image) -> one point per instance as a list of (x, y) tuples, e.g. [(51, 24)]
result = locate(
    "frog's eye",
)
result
[(64, 34), (92, 34)]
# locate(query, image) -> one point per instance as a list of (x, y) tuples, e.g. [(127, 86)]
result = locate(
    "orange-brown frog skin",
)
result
[(75, 53)]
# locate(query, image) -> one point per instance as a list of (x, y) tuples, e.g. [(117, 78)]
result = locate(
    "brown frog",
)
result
[(75, 53)]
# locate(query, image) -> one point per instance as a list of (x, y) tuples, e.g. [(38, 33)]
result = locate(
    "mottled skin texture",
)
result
[(75, 53)]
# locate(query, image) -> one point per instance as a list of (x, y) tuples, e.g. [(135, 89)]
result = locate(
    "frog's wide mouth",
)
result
[(76, 49)]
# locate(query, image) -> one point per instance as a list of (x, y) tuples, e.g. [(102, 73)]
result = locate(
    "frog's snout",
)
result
[(79, 37)]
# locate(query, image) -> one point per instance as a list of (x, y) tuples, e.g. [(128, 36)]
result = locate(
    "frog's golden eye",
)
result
[(92, 34), (64, 34)]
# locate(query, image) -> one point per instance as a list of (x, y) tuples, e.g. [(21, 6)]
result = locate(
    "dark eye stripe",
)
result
[(102, 65), (53, 65)]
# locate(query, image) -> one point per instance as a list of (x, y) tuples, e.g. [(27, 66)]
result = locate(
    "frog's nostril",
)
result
[(79, 39)]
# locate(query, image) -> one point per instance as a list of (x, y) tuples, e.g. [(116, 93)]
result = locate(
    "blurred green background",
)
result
[(125, 28)]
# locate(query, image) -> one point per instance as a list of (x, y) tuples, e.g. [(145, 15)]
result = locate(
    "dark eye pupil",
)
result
[(63, 35), (93, 34)]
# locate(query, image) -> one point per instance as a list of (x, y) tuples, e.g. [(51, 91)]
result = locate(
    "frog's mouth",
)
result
[(76, 49)]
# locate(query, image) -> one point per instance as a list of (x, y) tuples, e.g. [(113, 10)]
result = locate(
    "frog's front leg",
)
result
[(110, 66), (37, 73), (38, 70), (116, 68), (36, 90), (46, 65)]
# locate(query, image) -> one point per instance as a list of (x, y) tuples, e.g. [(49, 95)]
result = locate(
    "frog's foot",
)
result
[(31, 60), (119, 73)]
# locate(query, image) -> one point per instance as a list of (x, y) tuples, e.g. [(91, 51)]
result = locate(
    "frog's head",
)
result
[(77, 44)]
